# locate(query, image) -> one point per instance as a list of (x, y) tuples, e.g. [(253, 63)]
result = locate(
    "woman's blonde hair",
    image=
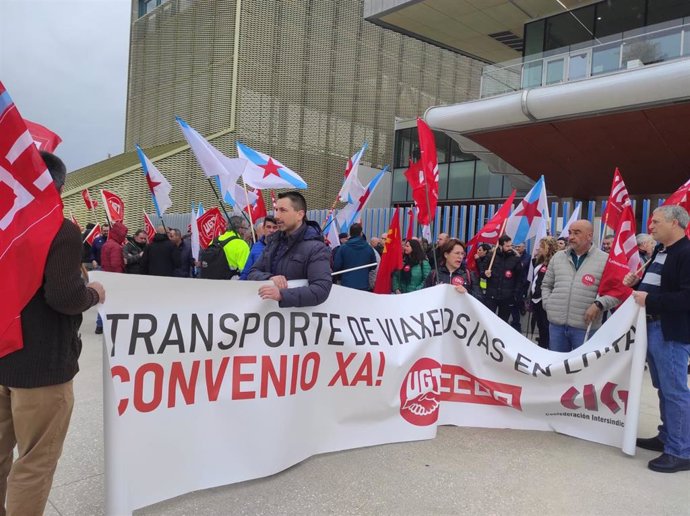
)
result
[(551, 249)]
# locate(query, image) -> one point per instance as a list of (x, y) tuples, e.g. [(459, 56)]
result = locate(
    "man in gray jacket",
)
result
[(296, 251), (570, 290)]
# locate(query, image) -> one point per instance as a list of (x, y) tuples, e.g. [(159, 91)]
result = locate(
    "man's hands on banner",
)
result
[(631, 280), (279, 281), (273, 291), (640, 297)]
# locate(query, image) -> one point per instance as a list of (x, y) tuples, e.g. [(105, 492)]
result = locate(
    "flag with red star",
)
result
[(352, 188), (159, 187), (214, 163), (263, 171), (531, 215)]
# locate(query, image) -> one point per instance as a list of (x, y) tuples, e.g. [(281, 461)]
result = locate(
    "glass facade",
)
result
[(602, 21), (461, 176)]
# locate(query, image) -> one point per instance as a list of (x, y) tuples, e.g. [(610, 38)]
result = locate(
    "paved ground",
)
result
[(462, 471)]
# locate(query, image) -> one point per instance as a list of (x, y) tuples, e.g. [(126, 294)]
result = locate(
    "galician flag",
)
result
[(158, 186), (352, 187), (263, 171), (530, 216), (216, 164)]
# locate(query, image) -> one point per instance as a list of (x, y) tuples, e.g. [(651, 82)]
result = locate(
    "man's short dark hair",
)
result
[(486, 247), (139, 232), (355, 230), (297, 199), (503, 239), (56, 167), (270, 219)]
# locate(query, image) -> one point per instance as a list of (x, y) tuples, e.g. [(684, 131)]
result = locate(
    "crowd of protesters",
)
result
[(553, 289)]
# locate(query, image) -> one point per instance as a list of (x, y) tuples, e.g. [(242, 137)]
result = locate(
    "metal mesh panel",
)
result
[(314, 81)]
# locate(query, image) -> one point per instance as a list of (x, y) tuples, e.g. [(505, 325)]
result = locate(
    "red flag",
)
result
[(273, 199), (90, 203), (114, 206), (490, 233), (211, 224), (410, 224), (415, 178), (680, 197), (44, 138), (30, 217), (93, 234), (391, 260), (258, 209), (74, 221), (429, 165), (617, 200), (623, 257), (149, 227)]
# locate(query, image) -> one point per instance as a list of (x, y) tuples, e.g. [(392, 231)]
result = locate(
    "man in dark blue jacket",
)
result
[(354, 253), (269, 227), (665, 291), (296, 251)]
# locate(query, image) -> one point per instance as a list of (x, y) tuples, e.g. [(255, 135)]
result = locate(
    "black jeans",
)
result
[(504, 307), (539, 315)]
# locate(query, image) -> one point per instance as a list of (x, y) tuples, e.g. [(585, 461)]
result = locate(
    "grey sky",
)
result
[(64, 63)]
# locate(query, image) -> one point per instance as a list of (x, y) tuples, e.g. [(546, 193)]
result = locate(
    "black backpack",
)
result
[(214, 264)]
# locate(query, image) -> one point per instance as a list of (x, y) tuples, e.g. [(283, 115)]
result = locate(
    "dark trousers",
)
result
[(503, 307), (539, 315)]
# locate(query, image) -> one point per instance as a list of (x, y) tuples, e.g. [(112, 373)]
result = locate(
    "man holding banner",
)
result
[(296, 251), (665, 291)]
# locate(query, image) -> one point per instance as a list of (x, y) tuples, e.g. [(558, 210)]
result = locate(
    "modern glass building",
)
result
[(462, 177), (572, 89)]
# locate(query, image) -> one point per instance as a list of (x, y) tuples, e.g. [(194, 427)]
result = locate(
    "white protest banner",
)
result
[(211, 385)]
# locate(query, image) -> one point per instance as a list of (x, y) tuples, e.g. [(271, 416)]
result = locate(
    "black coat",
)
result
[(505, 276), (161, 257), (672, 303)]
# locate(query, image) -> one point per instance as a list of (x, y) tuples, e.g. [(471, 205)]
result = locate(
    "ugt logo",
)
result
[(589, 398), (420, 393)]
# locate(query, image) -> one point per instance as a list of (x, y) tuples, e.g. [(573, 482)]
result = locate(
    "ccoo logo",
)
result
[(420, 393)]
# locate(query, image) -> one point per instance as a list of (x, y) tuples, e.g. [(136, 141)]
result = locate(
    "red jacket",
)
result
[(112, 259)]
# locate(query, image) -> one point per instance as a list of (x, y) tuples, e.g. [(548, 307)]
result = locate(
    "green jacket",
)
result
[(418, 274), (236, 251)]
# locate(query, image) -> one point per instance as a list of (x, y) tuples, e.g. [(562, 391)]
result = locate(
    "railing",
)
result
[(464, 221), (459, 221), (647, 45)]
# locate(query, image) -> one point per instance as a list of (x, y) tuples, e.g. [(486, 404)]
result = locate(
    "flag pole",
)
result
[(107, 217), (642, 267), (249, 210), (500, 234), (222, 204)]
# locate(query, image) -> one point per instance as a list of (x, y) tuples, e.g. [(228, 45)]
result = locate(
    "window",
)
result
[(399, 190), (487, 184), (534, 37), (616, 16), (569, 28), (146, 6), (664, 10), (461, 180)]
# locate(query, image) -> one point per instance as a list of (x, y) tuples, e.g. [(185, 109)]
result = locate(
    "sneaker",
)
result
[(666, 463), (99, 330), (652, 443)]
